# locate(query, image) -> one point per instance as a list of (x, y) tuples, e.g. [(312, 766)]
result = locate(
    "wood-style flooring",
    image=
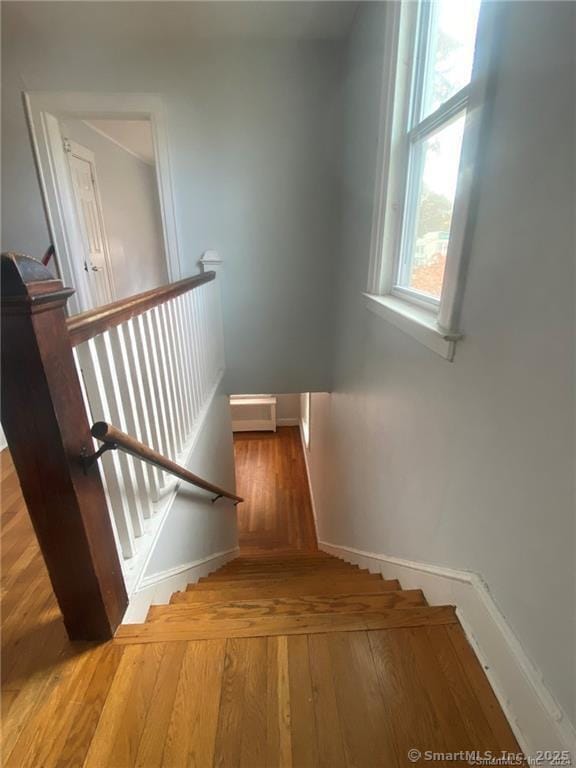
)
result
[(288, 659), (271, 477)]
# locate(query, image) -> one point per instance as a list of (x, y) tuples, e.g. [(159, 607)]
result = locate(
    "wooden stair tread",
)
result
[(217, 595), (313, 557), (316, 580), (274, 606), (293, 563), (282, 555), (233, 566), (269, 626), (283, 573)]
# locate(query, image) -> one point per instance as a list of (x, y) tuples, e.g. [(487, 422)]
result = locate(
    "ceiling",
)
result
[(184, 20)]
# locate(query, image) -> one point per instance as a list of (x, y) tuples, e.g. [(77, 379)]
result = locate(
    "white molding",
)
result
[(536, 718), (44, 110), (416, 321), (310, 484), (386, 198), (158, 589), (480, 100)]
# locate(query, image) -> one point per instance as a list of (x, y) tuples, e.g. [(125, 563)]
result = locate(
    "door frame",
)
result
[(44, 111)]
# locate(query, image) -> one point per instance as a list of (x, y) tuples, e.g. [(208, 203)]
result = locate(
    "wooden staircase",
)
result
[(263, 596), (302, 660)]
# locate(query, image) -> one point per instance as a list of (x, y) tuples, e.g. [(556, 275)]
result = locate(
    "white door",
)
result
[(85, 185)]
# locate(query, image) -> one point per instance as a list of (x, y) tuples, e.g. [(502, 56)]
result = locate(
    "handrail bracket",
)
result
[(88, 461)]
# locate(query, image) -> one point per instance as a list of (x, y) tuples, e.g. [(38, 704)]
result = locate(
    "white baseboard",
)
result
[(537, 720), (157, 589)]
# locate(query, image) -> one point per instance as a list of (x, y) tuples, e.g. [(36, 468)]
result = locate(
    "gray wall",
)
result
[(253, 130), (471, 464), (131, 212)]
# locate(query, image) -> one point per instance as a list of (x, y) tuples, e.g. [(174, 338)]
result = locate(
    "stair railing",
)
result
[(114, 439), (149, 364)]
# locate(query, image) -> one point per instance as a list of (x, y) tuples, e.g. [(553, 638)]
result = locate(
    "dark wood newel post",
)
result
[(46, 425)]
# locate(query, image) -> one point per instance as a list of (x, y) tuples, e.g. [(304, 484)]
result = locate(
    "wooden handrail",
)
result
[(89, 324), (115, 438)]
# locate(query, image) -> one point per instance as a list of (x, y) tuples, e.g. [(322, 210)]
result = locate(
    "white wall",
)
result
[(131, 211), (253, 130), (288, 407), (196, 528), (471, 464)]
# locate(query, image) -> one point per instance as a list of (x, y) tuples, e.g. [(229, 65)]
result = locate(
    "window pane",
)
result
[(451, 50), (429, 208)]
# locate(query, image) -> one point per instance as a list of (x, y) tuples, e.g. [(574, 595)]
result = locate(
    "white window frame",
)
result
[(434, 323)]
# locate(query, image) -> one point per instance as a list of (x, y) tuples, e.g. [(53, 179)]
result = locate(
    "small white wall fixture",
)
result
[(44, 110)]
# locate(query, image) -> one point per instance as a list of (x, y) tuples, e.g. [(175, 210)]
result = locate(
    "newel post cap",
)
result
[(210, 260), (25, 280)]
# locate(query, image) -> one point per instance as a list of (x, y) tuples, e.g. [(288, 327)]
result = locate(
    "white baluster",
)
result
[(173, 308), (185, 333), (151, 388), (142, 402), (213, 328), (110, 461), (113, 412), (150, 325), (218, 333), (167, 378), (173, 373), (130, 407), (92, 447), (200, 349), (190, 339)]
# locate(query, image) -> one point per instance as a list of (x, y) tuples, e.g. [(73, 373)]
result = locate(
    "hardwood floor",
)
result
[(329, 679), (271, 477)]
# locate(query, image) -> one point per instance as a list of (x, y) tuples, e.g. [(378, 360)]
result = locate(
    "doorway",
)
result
[(103, 167)]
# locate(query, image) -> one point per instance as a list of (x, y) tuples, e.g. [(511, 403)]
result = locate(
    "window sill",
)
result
[(416, 321)]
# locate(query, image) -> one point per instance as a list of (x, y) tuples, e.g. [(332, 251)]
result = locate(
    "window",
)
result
[(423, 194)]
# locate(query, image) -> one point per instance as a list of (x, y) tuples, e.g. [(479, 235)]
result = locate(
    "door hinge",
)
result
[(67, 146)]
